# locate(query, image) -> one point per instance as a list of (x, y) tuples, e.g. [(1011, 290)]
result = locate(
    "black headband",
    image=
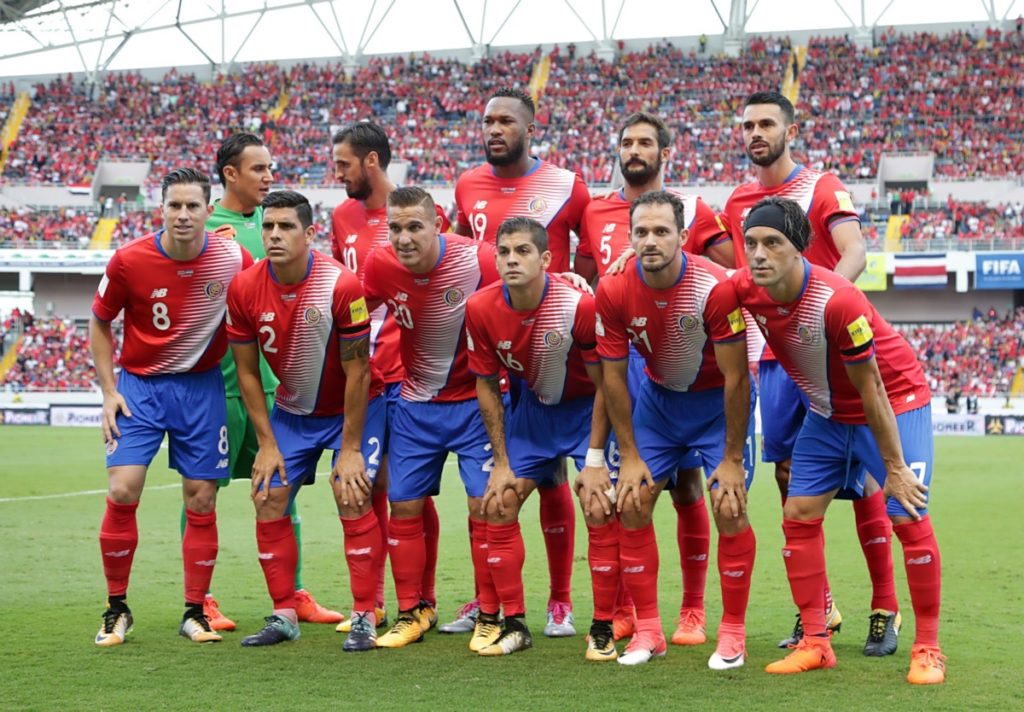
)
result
[(772, 216)]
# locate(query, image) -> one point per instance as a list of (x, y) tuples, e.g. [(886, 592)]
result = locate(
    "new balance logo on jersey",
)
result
[(480, 205), (504, 344), (638, 321), (158, 293), (267, 316), (920, 561), (610, 227), (633, 569), (351, 239)]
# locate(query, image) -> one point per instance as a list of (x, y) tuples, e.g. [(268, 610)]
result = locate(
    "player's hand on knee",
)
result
[(350, 476), (902, 484), (501, 479), (730, 497), (632, 477), (595, 490), (268, 461), (112, 405)]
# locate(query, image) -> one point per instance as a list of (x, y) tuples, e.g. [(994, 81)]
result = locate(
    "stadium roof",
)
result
[(39, 37)]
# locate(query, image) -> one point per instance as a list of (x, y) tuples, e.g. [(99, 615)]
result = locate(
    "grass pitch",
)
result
[(53, 593)]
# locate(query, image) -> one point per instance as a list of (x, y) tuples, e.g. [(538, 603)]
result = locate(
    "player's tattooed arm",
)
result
[(349, 478), (492, 412), (355, 348)]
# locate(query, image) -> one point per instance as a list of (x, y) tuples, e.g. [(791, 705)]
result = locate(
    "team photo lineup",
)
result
[(636, 333)]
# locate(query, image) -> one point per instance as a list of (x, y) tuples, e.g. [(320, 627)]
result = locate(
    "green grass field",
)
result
[(53, 592)]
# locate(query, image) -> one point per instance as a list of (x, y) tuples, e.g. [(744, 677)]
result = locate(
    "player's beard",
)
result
[(512, 155), (642, 176), (775, 151), (359, 190), (654, 270)]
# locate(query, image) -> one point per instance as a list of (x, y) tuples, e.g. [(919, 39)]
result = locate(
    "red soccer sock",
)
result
[(279, 552), (875, 533), (603, 556), (199, 554), (735, 567), (486, 593), (505, 556), (638, 557), (924, 577), (623, 599), (558, 522), (363, 552), (826, 593), (804, 556), (119, 537), (408, 555), (693, 532), (431, 535), (381, 510)]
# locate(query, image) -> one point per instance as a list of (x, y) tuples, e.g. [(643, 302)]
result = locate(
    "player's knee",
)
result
[(406, 509), (633, 519), (689, 486), (353, 510), (804, 508), (508, 513), (597, 518), (730, 525), (123, 492), (201, 499)]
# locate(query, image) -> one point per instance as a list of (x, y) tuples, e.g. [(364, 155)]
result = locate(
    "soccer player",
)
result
[(870, 408), (680, 313), (540, 330), (172, 286), (361, 154), (307, 315), (425, 279), (644, 145), (244, 167), (512, 183), (836, 243)]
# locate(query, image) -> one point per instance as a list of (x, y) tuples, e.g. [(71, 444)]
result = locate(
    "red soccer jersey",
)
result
[(545, 347), (430, 310), (552, 196), (354, 232), (299, 328), (829, 325), (674, 329), (604, 229), (173, 310)]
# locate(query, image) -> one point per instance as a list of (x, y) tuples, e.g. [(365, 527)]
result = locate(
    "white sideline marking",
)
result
[(75, 494)]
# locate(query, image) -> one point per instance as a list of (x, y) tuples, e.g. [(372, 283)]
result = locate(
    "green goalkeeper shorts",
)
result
[(242, 444)]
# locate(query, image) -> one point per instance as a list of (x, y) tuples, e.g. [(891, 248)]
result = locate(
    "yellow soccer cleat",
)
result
[(196, 628), (601, 643), (405, 631), (117, 624), (379, 613), (486, 631), (426, 615)]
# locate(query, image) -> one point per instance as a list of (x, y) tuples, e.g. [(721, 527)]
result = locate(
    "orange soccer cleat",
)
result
[(927, 665), (218, 621), (811, 653), (309, 611)]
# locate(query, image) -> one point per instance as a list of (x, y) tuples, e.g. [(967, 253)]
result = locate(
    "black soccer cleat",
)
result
[(883, 633)]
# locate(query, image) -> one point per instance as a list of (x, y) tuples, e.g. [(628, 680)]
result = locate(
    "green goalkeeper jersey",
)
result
[(247, 230)]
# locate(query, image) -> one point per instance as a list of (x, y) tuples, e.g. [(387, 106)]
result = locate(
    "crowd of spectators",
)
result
[(977, 357), (966, 221), (64, 227), (53, 355), (955, 95)]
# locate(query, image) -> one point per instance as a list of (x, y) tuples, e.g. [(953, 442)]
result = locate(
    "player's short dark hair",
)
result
[(363, 137), (411, 196), (773, 97), (518, 94), (538, 235), (230, 151), (794, 224), (291, 199), (661, 197), (643, 117), (185, 176)]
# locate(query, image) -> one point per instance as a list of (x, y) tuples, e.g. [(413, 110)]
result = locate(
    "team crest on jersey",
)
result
[(687, 322), (214, 289), (312, 315), (453, 296), (805, 334), (538, 205), (552, 339)]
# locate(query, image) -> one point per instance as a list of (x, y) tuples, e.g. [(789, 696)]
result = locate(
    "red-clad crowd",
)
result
[(69, 227), (977, 357), (954, 95), (966, 221), (53, 355)]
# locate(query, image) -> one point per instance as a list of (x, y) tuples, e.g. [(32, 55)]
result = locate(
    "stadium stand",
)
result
[(51, 355), (62, 227)]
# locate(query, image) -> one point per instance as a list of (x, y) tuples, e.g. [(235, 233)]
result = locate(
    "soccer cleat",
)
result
[(643, 646), (196, 627), (560, 621), (362, 633), (833, 623), (601, 643), (309, 611), (426, 615), (486, 631), (731, 651), (406, 630), (218, 621), (379, 614), (811, 653), (515, 636), (883, 633), (927, 665), (465, 619), (624, 622), (690, 630), (276, 630), (117, 624)]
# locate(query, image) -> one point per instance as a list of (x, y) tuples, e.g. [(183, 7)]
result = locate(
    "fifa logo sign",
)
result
[(1000, 267)]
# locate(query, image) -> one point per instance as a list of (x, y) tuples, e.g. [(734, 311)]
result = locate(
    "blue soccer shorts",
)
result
[(783, 409), (671, 427), (540, 436), (422, 435), (833, 456), (189, 407), (302, 439)]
